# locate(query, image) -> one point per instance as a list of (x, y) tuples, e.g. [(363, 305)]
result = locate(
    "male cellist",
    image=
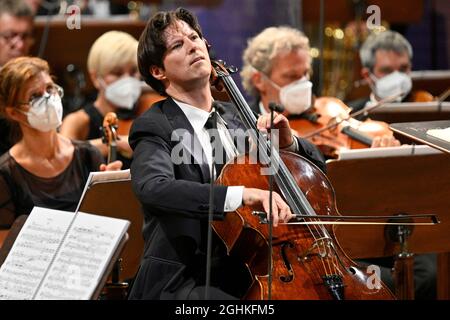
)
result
[(173, 59)]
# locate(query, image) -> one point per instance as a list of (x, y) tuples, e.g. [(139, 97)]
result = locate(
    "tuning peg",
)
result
[(232, 69)]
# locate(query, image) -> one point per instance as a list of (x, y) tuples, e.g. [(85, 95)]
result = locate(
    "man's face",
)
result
[(286, 68), (15, 37), (386, 62), (186, 61)]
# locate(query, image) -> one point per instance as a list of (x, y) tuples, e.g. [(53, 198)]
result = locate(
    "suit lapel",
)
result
[(178, 120), (237, 130)]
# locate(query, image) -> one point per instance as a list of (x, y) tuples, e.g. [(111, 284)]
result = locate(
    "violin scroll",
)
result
[(110, 136)]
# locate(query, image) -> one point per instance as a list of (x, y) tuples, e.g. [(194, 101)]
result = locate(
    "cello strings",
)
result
[(250, 121), (283, 176)]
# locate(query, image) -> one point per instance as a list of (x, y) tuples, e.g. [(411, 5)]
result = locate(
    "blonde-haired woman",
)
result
[(43, 168), (112, 67)]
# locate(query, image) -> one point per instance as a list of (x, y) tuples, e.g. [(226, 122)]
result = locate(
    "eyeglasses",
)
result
[(51, 90), (12, 37)]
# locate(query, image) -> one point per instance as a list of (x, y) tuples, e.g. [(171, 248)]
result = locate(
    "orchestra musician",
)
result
[(112, 66), (386, 67), (276, 68), (43, 168), (16, 39), (276, 60), (173, 59)]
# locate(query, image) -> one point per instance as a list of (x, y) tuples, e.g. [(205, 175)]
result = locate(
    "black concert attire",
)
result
[(20, 190), (175, 201)]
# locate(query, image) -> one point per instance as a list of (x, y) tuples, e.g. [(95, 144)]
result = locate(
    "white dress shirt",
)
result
[(197, 118)]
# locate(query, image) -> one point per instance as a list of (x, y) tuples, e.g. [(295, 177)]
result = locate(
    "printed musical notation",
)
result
[(31, 254), (60, 255), (83, 258)]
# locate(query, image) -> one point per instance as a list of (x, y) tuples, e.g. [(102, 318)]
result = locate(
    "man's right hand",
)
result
[(260, 198), (384, 141)]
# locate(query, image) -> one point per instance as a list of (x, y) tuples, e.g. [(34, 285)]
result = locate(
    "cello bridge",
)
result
[(322, 248)]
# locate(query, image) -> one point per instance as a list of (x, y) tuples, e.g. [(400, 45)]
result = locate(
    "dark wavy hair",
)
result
[(152, 43)]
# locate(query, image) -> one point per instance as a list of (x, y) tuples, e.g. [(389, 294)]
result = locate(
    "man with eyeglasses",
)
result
[(16, 27)]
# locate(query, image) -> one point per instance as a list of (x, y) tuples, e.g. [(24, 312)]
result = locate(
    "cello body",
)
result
[(306, 264)]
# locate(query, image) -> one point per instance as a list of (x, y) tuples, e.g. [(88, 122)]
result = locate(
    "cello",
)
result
[(308, 262)]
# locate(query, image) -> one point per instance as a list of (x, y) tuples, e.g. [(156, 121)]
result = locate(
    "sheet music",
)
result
[(398, 107), (32, 253), (443, 134), (406, 150), (83, 258), (430, 74)]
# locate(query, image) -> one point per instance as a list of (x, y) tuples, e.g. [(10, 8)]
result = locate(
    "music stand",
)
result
[(115, 198), (418, 131), (388, 186), (17, 227)]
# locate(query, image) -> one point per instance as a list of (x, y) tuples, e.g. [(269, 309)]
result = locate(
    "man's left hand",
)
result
[(281, 123)]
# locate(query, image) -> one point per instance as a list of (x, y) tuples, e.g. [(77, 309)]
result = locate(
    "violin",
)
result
[(146, 100), (421, 96), (114, 289), (307, 261), (110, 137), (346, 134)]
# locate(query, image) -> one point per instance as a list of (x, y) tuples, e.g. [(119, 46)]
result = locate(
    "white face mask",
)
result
[(296, 96), (45, 113), (124, 92), (392, 84)]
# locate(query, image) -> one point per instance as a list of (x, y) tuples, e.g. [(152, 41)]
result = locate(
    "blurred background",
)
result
[(336, 29)]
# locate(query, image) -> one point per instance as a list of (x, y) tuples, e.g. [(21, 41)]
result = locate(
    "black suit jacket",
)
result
[(175, 201)]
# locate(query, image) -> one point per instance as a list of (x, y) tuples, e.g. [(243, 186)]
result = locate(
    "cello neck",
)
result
[(284, 179)]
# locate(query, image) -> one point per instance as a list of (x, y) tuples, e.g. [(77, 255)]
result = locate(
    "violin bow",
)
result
[(357, 113)]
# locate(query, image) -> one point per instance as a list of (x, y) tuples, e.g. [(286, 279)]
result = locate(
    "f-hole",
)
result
[(290, 276)]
